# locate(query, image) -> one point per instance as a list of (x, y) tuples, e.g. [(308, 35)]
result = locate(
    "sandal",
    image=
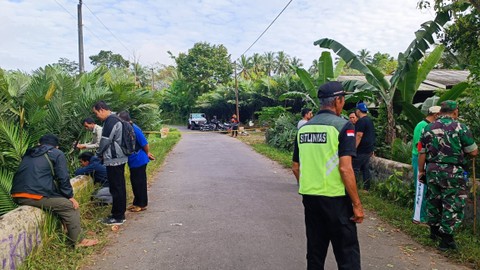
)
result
[(135, 208)]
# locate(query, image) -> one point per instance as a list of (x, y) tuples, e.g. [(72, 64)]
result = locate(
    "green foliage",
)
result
[(52, 101), (6, 202), (268, 115), (109, 59), (395, 190), (282, 134), (400, 89), (401, 151), (204, 66)]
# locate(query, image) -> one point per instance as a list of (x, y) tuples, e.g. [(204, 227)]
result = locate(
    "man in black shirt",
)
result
[(365, 142)]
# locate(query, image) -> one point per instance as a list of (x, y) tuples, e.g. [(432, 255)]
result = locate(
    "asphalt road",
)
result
[(217, 204)]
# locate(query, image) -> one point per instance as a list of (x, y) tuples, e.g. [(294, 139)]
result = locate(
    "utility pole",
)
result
[(153, 80), (236, 91), (81, 63)]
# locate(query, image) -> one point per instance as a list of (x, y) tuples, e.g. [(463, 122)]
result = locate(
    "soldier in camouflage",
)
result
[(445, 144)]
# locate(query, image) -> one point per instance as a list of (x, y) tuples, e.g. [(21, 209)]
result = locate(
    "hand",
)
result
[(75, 203), (357, 214), (422, 178), (81, 146), (150, 156)]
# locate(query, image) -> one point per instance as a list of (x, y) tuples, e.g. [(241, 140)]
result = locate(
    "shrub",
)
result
[(394, 189), (282, 134)]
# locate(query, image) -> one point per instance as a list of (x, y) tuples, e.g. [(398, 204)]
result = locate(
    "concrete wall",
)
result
[(383, 168), (20, 230)]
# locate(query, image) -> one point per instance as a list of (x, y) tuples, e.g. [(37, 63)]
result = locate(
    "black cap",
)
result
[(330, 89)]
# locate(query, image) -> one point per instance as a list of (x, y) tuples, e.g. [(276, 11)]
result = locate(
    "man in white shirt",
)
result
[(306, 115), (89, 124)]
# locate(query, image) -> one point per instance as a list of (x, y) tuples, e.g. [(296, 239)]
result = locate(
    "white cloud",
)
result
[(37, 33)]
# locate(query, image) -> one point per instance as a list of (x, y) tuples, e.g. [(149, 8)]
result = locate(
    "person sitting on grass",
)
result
[(92, 166), (42, 180)]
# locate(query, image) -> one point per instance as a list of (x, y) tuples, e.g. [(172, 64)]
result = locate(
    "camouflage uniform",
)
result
[(445, 143)]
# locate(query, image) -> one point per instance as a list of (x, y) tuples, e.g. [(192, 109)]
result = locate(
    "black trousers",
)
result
[(327, 219), (361, 164), (116, 181), (138, 178)]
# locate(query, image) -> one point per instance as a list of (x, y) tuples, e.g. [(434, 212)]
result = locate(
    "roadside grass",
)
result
[(55, 253), (398, 216)]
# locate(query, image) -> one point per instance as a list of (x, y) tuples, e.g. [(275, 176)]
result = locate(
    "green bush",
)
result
[(401, 151), (268, 115), (395, 190), (282, 134)]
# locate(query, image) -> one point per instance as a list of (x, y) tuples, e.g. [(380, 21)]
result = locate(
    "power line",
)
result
[(75, 18), (107, 28), (266, 29)]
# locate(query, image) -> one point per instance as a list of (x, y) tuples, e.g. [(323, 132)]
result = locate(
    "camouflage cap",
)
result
[(448, 106)]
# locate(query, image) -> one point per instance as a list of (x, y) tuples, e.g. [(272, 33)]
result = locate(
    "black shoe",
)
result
[(434, 233), (447, 243), (112, 221)]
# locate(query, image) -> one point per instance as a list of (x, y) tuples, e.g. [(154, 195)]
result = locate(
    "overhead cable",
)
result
[(121, 43), (266, 29)]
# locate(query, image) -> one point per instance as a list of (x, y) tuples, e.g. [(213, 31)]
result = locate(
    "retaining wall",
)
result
[(383, 168), (20, 230)]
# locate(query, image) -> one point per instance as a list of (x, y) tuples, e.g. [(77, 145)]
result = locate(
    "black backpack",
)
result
[(128, 138)]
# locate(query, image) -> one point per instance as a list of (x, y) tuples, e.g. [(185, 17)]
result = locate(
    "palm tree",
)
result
[(244, 67), (282, 62), (364, 56), (257, 62), (296, 62), (269, 62)]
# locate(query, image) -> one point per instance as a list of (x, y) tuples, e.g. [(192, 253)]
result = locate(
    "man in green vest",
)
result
[(322, 164), (419, 213)]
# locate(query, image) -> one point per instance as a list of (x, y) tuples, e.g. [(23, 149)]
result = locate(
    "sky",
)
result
[(36, 33)]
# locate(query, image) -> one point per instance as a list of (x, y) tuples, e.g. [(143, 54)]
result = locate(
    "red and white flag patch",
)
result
[(350, 133)]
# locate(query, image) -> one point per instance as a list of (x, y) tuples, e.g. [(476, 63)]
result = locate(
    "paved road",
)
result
[(216, 204)]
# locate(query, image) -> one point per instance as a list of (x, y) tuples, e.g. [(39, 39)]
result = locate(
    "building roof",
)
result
[(437, 78)]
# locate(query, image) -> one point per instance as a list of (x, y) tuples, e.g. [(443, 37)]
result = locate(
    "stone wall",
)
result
[(20, 230), (383, 168)]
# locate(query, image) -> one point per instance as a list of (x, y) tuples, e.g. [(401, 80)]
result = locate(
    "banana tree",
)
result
[(326, 72), (397, 93)]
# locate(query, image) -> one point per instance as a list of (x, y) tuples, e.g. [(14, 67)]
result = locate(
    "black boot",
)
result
[(434, 233), (447, 242)]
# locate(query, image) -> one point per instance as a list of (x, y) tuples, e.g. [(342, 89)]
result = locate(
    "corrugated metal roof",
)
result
[(437, 78)]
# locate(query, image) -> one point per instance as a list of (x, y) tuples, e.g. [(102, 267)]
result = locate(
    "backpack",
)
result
[(128, 138)]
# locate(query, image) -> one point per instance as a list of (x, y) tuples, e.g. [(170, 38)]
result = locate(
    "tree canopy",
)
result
[(109, 59), (205, 66)]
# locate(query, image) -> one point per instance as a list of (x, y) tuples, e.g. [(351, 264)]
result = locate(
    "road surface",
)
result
[(217, 204)]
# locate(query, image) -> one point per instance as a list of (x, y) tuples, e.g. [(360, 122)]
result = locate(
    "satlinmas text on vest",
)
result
[(317, 137)]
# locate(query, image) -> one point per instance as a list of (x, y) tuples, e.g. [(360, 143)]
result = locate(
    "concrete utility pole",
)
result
[(153, 80), (236, 91), (81, 63)]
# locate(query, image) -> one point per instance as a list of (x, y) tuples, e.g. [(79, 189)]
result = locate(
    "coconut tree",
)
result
[(269, 62), (400, 89), (364, 56), (282, 63)]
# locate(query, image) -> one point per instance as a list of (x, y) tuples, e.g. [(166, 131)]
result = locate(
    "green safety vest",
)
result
[(318, 155)]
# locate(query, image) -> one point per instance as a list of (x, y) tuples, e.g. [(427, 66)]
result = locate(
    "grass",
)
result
[(55, 253), (397, 216)]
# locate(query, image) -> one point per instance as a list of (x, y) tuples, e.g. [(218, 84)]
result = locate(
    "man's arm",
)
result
[(296, 170), (348, 178), (62, 175), (87, 170), (358, 138)]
